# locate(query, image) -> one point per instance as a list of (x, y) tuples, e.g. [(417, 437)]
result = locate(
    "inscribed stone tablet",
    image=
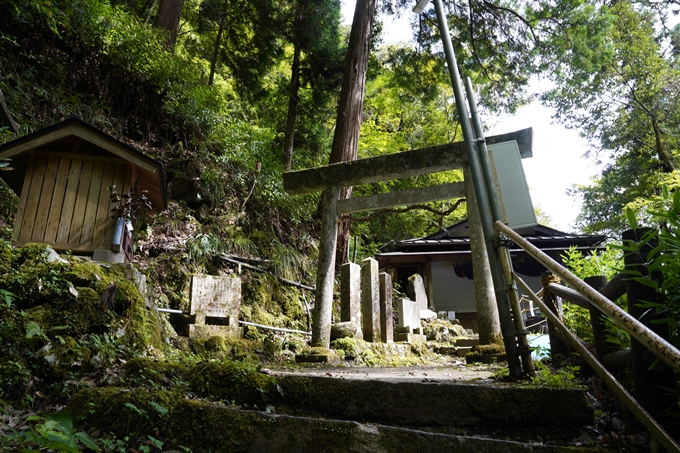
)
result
[(218, 297)]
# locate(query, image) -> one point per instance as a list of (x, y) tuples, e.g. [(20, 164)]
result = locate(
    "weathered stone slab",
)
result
[(447, 404), (350, 293), (370, 300), (223, 428), (416, 291), (216, 297), (446, 350), (108, 256), (463, 351), (409, 314), (386, 322)]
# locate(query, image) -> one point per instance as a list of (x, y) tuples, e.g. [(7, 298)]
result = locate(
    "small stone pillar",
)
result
[(386, 325), (350, 293), (370, 300)]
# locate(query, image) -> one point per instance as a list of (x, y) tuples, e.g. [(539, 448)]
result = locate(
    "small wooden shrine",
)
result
[(64, 176)]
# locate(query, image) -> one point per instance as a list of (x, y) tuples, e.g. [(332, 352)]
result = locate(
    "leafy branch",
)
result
[(384, 212)]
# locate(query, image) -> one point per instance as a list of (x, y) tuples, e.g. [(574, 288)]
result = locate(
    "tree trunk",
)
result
[(168, 16), (289, 136), (213, 62), (666, 161), (350, 107)]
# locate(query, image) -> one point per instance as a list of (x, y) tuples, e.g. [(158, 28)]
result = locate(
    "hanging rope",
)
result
[(546, 279)]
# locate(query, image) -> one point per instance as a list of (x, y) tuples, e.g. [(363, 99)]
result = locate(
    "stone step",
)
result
[(206, 426), (467, 342), (456, 351), (432, 403)]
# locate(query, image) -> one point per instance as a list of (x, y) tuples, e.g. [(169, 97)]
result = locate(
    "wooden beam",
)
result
[(115, 160), (391, 166), (402, 198)]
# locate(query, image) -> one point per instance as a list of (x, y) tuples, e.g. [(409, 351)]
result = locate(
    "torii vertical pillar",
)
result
[(488, 322), (323, 304)]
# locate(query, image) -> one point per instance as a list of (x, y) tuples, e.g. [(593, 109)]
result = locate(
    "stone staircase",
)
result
[(342, 410)]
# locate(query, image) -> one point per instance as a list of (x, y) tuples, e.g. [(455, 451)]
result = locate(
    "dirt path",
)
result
[(457, 372)]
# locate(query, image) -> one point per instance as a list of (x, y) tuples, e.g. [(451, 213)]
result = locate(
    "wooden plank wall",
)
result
[(66, 201)]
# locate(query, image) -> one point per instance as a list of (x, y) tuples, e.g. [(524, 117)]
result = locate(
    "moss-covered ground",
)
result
[(83, 337)]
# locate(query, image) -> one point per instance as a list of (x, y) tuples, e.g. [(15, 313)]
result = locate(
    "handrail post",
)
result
[(554, 303), (651, 382), (597, 320), (523, 348)]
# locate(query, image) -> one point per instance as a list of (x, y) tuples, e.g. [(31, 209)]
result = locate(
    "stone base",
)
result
[(462, 351), (458, 351), (346, 329), (469, 342), (319, 355), (203, 332), (410, 337), (108, 256)]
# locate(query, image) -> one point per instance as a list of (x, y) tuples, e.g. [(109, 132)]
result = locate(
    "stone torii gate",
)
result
[(331, 178)]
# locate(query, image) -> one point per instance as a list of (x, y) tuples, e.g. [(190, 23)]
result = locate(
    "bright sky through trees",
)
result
[(557, 163)]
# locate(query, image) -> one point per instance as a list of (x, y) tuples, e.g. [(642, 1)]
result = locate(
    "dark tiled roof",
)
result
[(455, 238)]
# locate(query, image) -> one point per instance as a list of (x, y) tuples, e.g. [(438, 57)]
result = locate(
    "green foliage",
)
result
[(620, 91), (563, 377), (607, 263), (664, 259), (51, 431)]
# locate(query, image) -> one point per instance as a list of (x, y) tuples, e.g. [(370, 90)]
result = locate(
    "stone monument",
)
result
[(216, 303)]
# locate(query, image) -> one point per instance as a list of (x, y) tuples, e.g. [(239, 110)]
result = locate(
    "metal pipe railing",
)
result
[(640, 413), (243, 323), (655, 343)]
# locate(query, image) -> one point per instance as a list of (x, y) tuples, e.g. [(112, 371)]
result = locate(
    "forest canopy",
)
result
[(229, 94)]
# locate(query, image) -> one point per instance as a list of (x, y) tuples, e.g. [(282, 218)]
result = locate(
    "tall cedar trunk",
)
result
[(168, 16), (666, 160), (289, 136), (350, 107), (213, 62)]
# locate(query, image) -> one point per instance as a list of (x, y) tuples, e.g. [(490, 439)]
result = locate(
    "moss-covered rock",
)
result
[(486, 353), (238, 382), (60, 319)]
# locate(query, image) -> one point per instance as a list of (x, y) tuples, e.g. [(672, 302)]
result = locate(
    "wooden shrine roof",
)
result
[(75, 137)]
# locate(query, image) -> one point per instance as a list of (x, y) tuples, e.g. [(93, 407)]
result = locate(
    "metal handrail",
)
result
[(655, 343), (635, 328), (640, 413)]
